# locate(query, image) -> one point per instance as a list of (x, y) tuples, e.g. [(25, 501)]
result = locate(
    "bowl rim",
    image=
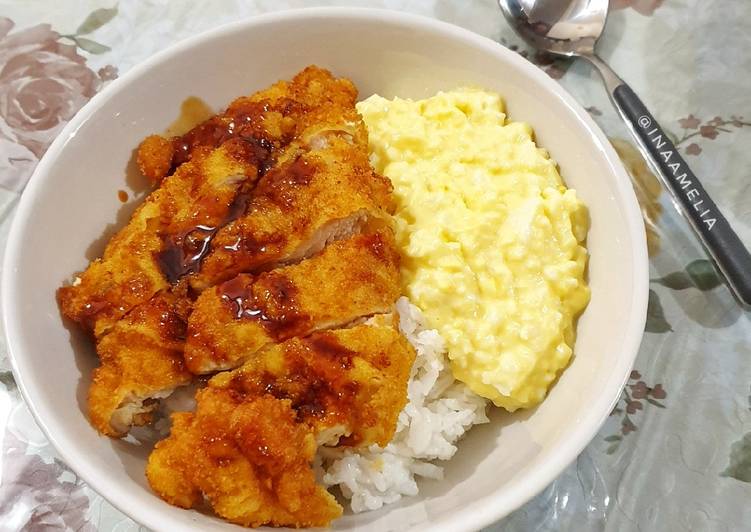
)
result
[(486, 509)]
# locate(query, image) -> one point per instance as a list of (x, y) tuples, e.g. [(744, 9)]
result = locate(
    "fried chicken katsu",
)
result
[(320, 195), (141, 361), (313, 102), (247, 449), (267, 249), (348, 280), (169, 235), (212, 169)]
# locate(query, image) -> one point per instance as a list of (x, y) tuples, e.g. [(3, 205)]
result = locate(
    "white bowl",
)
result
[(72, 199)]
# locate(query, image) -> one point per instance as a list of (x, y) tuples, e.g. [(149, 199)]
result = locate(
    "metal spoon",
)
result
[(571, 28)]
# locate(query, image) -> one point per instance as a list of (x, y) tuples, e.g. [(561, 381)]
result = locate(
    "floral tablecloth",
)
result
[(675, 453)]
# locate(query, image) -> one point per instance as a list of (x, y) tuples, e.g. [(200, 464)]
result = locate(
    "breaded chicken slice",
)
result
[(320, 195), (248, 447), (249, 461), (313, 101), (166, 237), (347, 382), (141, 362), (177, 221), (349, 279)]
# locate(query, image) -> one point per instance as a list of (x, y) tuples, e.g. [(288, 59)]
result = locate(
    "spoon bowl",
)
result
[(569, 28)]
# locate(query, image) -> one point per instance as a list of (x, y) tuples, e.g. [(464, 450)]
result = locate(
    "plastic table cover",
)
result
[(675, 454)]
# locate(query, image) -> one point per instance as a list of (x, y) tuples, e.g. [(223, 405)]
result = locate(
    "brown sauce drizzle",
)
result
[(193, 111), (217, 129), (321, 397), (237, 293), (311, 394), (327, 346), (299, 173), (315, 380), (183, 253), (262, 152), (248, 244), (327, 388), (278, 186), (312, 402), (276, 310), (282, 182), (279, 300), (238, 206)]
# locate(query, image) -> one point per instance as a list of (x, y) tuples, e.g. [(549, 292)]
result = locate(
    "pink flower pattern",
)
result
[(35, 494), (634, 395), (695, 128), (43, 83)]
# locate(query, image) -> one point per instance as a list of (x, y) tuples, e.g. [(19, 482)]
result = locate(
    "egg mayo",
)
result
[(493, 242)]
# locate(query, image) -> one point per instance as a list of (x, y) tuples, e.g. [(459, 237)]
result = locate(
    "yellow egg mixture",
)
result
[(493, 240)]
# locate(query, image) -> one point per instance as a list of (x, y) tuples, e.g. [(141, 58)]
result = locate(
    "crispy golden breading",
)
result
[(320, 195), (313, 101), (349, 382), (281, 179), (141, 361), (154, 157), (248, 447), (165, 237), (169, 235), (349, 279), (251, 462)]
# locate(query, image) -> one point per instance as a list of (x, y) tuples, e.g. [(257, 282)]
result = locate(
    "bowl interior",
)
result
[(71, 206)]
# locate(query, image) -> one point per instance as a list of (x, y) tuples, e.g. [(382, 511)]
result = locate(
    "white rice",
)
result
[(440, 410)]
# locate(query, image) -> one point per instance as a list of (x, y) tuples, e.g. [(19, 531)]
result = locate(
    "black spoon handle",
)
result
[(713, 230)]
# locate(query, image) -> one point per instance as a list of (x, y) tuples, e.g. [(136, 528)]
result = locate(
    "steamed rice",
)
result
[(440, 410)]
